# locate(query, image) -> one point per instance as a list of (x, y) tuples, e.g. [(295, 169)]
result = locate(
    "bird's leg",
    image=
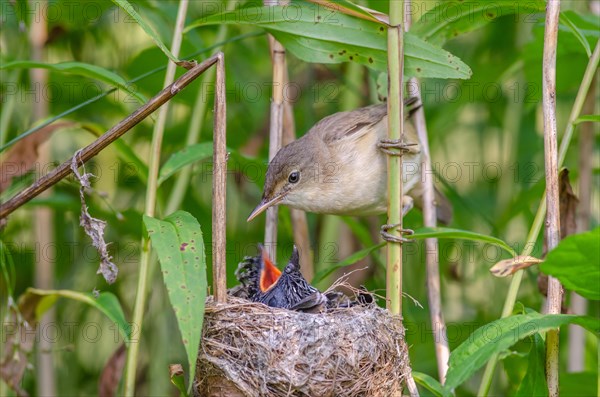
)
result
[(395, 147)]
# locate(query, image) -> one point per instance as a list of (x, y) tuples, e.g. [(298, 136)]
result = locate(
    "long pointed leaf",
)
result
[(186, 156), (180, 247), (80, 69), (347, 7), (566, 21), (499, 335), (452, 18), (431, 384), (444, 232), (106, 302), (594, 118)]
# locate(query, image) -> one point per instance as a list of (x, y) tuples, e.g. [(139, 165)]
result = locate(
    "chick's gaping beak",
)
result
[(264, 204), (269, 273)]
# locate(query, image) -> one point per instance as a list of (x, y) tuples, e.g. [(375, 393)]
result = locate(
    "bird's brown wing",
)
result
[(353, 124)]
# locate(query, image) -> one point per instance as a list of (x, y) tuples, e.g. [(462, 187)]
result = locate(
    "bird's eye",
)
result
[(294, 177)]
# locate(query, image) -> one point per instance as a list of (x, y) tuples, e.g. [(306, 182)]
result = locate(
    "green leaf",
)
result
[(575, 261), (445, 232), (106, 302), (184, 157), (352, 259), (594, 118), (452, 18), (254, 168), (180, 247), (501, 334), (534, 382), (128, 8), (318, 34), (431, 384), (347, 7), (566, 21), (80, 69), (587, 25)]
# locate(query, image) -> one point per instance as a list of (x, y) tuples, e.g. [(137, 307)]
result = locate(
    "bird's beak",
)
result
[(269, 273), (264, 204)]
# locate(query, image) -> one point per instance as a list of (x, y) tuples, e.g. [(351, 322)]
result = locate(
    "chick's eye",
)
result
[(294, 177)]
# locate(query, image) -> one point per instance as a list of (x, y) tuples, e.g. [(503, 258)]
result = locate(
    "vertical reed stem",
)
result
[(219, 186), (395, 132), (275, 132), (552, 231), (438, 324)]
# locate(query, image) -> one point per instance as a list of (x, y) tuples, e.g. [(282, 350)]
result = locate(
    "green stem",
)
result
[(150, 205), (534, 232), (395, 132)]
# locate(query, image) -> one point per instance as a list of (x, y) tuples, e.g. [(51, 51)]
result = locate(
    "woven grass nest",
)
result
[(249, 349)]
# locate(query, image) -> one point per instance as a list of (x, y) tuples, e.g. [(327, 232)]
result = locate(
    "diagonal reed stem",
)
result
[(106, 139)]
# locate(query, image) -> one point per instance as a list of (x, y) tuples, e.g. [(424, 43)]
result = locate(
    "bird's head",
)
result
[(294, 263), (292, 177)]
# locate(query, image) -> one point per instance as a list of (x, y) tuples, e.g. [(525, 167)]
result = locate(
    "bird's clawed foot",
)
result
[(394, 147), (395, 239)]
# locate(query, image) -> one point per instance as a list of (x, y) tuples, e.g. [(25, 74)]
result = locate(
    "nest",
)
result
[(249, 349)]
